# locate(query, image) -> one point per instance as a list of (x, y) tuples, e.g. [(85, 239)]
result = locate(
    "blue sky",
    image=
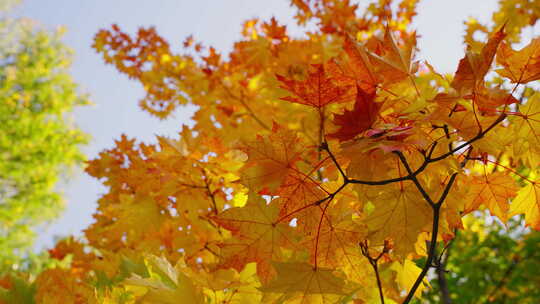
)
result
[(217, 23)]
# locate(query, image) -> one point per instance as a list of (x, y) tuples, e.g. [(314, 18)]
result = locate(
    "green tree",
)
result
[(38, 140), (488, 264)]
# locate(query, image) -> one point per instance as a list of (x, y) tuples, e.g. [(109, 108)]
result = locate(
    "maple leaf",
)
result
[(453, 207), (474, 66), (526, 131), (466, 119), (521, 66), (297, 198), (407, 272), (270, 159), (527, 202), (400, 214), (310, 284), (360, 119), (358, 66), (228, 285), (166, 284), (317, 90), (395, 63), (493, 191), (258, 235), (488, 99), (367, 163), (274, 30), (335, 242)]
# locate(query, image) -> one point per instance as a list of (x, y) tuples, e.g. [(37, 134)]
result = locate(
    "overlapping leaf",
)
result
[(359, 119), (270, 159), (258, 235), (306, 284), (395, 63), (317, 90), (474, 66), (493, 191), (400, 215), (527, 202), (521, 66)]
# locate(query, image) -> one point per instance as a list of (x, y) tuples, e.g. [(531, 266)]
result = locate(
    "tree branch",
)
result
[(324, 146), (436, 206), (434, 234), (470, 141), (443, 283), (441, 277), (431, 253), (413, 178), (374, 264)]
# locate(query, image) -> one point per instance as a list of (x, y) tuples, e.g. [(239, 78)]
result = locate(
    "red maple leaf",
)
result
[(360, 119)]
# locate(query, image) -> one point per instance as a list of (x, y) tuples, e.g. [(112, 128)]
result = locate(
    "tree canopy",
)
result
[(38, 140), (331, 167)]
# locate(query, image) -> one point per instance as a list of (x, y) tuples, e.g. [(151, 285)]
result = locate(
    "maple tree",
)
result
[(335, 167)]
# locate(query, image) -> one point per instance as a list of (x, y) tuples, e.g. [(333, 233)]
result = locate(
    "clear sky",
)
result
[(215, 22)]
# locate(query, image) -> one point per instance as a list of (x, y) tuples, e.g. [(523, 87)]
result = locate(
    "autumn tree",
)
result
[(38, 140), (333, 167)]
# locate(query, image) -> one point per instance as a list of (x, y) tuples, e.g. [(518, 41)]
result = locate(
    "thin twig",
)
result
[(374, 264)]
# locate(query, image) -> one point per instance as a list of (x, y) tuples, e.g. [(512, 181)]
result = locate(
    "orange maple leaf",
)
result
[(335, 242), (473, 67), (317, 90), (358, 66), (488, 99), (520, 66), (270, 159), (394, 63), (258, 235), (494, 191), (274, 30), (298, 196)]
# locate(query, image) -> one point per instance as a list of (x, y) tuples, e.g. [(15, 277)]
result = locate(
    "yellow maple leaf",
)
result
[(400, 214), (166, 284), (305, 283), (527, 202), (407, 273), (521, 66)]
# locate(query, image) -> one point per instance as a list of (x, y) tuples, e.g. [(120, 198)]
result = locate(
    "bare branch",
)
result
[(413, 178), (324, 146)]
